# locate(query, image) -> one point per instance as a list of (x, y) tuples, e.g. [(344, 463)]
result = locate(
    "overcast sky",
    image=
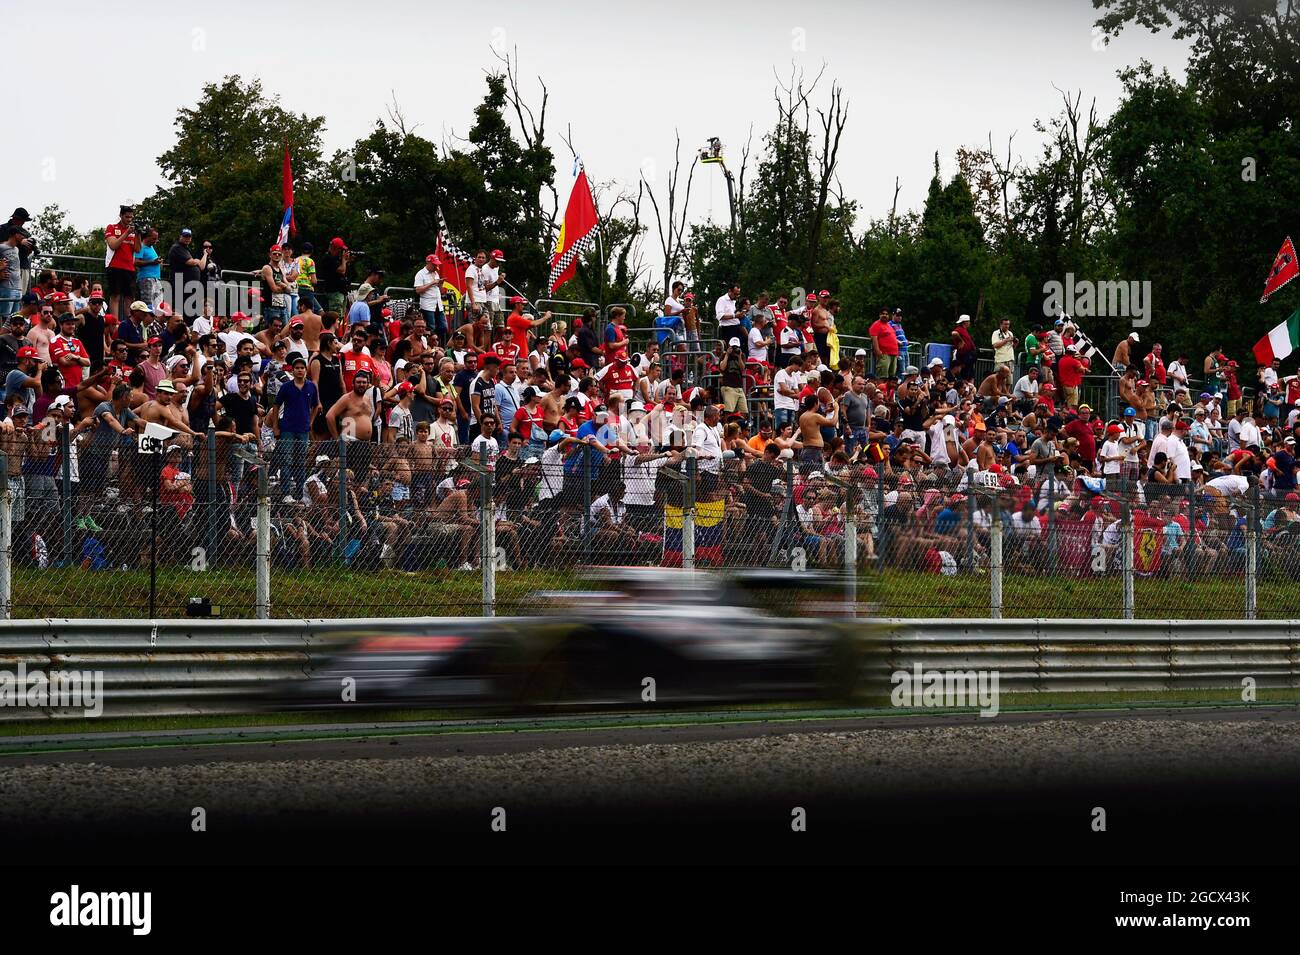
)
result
[(919, 76)]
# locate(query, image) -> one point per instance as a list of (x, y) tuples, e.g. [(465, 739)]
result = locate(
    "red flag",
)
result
[(287, 190), (575, 234), (1285, 268)]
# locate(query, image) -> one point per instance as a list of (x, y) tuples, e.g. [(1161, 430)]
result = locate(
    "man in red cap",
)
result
[(332, 276), (428, 286), (520, 323)]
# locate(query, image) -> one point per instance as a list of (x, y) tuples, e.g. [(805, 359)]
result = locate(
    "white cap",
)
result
[(1134, 336), (963, 318), (636, 405), (860, 351), (734, 341), (934, 361), (1072, 348), (949, 419), (62, 401)]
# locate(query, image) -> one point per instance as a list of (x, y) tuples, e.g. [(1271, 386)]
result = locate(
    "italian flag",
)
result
[(1280, 342)]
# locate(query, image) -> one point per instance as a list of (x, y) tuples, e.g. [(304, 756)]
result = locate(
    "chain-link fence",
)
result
[(98, 523)]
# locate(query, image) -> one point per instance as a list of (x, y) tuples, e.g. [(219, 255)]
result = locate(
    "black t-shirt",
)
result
[(92, 337), (759, 477), (241, 410), (176, 259), (9, 346), (328, 278), (329, 385), (487, 396)]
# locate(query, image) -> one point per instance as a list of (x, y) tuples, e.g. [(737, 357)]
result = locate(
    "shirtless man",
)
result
[(353, 417), (553, 404), (811, 421), (478, 333), (452, 517), (163, 411)]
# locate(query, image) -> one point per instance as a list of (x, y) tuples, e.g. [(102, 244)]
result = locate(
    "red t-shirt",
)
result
[(521, 325), (72, 374), (1070, 370), (358, 361), (620, 377), (124, 256), (507, 351), (525, 420), (885, 336)]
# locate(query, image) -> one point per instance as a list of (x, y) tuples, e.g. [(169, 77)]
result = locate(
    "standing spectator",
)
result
[(148, 269), (884, 346), (760, 338), (307, 277), (724, 311), (493, 276), (68, 354), (11, 276), (963, 351), (210, 275), (187, 277), (296, 404), (1071, 371), (428, 286), (1155, 367), (275, 287), (25, 380), (1004, 346), (290, 266), (333, 285), (1123, 356), (26, 244), (119, 259), (1178, 373)]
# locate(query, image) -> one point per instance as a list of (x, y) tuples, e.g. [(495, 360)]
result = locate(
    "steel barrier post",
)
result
[(343, 501), (1126, 558), (1051, 514), (487, 537), (850, 551), (65, 502), (688, 514), (995, 562), (970, 518), (6, 540), (263, 607)]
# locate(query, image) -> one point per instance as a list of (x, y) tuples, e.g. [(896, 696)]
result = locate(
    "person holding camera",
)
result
[(732, 369), (119, 259), (332, 277)]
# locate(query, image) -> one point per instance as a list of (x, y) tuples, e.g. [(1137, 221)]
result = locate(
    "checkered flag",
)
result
[(454, 260), (567, 259), (1085, 345)]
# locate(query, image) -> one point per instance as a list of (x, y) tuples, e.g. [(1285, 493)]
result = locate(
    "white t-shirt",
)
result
[(1111, 449), (1229, 483), (202, 326), (725, 311), (787, 379), (792, 341), (757, 350), (485, 275), (552, 473), (708, 443), (431, 299), (231, 340), (938, 446), (673, 307), (639, 480), (474, 284)]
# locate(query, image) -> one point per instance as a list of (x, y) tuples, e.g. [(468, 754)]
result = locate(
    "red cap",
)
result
[(111, 319), (27, 351), (579, 363), (274, 248), (995, 468), (498, 255), (56, 297), (1181, 426), (825, 293), (869, 472), (405, 388), (238, 317), (1293, 496), (516, 300), (433, 257), (155, 340), (296, 323), (689, 296), (337, 243)]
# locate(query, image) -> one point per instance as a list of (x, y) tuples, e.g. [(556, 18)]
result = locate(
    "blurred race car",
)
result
[(648, 634)]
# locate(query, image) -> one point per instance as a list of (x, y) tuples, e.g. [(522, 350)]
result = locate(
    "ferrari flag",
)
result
[(452, 261), (576, 233), (1285, 268), (287, 225)]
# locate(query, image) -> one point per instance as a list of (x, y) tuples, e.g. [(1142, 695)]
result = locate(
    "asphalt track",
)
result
[(1190, 784)]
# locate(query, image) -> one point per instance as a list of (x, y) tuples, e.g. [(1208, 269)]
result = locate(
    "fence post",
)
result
[(65, 496), (6, 540), (995, 562), (851, 548), (1252, 553), (487, 536), (1126, 558), (585, 463), (1051, 514), (263, 606), (343, 501), (970, 518), (688, 514), (212, 510)]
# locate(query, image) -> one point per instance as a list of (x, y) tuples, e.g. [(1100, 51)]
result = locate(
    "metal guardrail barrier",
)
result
[(167, 667)]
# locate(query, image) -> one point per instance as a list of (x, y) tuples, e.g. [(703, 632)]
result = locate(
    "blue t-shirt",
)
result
[(92, 551), (1285, 480), (295, 406), (147, 263), (946, 520), (594, 459), (359, 314)]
